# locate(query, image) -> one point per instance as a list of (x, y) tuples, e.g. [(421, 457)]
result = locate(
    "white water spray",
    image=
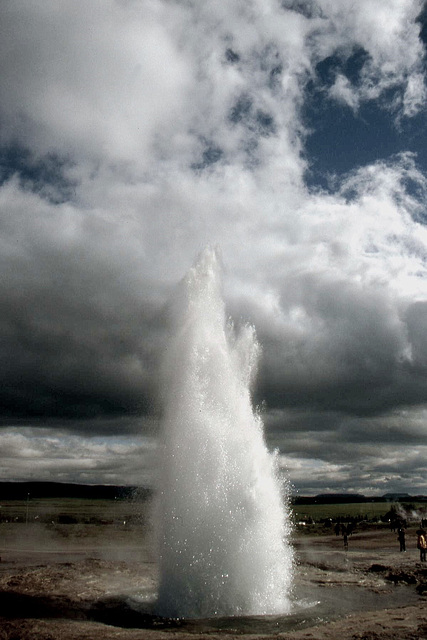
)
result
[(223, 526)]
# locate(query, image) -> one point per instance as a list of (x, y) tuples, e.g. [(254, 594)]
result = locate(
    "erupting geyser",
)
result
[(223, 524)]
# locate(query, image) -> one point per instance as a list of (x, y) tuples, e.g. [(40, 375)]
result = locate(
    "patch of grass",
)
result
[(318, 512), (72, 511), (314, 519)]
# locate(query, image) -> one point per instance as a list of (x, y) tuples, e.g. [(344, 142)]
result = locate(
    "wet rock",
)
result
[(401, 576), (378, 568)]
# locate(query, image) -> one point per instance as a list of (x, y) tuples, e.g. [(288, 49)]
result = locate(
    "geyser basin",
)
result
[(223, 523), (312, 605)]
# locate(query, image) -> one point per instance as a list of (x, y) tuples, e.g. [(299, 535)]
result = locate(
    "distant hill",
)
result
[(347, 498), (21, 490)]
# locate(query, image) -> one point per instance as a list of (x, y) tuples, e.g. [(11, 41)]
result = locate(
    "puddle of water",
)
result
[(312, 605)]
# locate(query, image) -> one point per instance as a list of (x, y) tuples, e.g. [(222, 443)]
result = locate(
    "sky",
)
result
[(290, 134)]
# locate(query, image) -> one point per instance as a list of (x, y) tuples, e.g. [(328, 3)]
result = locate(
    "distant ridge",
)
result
[(347, 498), (21, 491)]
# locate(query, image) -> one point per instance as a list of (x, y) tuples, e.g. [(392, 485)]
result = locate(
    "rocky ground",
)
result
[(71, 582)]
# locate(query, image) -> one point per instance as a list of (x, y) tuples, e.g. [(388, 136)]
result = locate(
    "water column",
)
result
[(223, 526)]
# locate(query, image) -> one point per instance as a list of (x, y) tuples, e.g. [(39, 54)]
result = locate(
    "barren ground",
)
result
[(73, 581)]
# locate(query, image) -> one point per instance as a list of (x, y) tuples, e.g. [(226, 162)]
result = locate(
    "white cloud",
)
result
[(96, 81), (387, 32), (414, 98), (34, 454), (343, 91)]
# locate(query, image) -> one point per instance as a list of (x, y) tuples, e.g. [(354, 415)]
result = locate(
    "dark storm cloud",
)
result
[(359, 353), (341, 452), (355, 345), (76, 342)]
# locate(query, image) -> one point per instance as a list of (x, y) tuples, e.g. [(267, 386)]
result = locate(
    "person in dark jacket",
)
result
[(401, 538)]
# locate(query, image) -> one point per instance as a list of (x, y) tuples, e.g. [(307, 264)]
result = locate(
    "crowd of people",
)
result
[(345, 529)]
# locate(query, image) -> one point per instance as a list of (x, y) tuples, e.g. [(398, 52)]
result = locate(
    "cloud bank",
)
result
[(132, 134)]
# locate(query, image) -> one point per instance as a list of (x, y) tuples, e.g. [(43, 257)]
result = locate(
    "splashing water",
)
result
[(223, 526)]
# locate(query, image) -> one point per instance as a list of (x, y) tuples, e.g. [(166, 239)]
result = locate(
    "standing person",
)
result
[(422, 544), (401, 538), (345, 538)]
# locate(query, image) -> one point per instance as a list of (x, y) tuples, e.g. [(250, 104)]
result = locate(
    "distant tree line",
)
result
[(38, 490)]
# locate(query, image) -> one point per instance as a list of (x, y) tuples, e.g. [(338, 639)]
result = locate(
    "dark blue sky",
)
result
[(341, 139)]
